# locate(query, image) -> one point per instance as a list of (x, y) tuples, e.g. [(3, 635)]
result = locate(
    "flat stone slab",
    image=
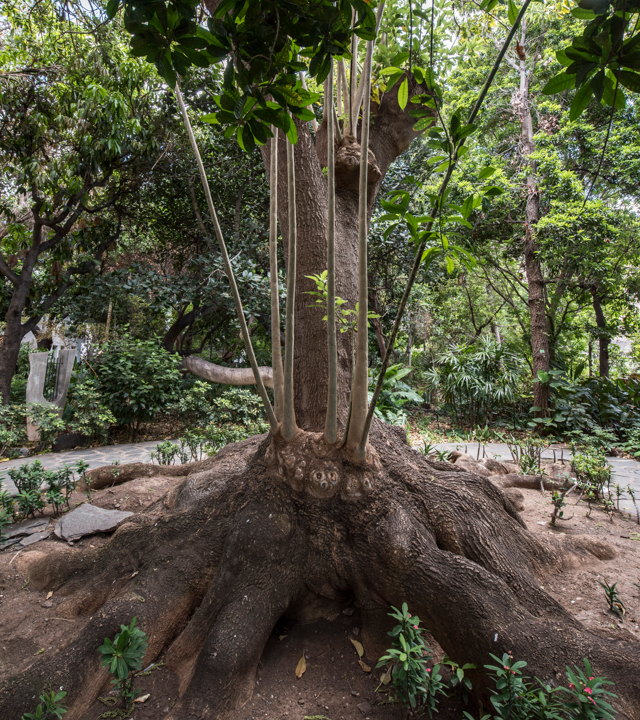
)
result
[(26, 528), (34, 538), (88, 520)]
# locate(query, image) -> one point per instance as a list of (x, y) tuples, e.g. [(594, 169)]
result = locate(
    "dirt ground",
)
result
[(334, 685)]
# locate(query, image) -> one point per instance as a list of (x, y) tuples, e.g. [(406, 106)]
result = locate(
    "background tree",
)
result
[(78, 129)]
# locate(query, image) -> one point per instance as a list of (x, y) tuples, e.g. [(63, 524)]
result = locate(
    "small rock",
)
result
[(35, 537), (300, 701), (348, 611), (365, 708), (47, 604), (355, 694), (87, 520), (356, 631)]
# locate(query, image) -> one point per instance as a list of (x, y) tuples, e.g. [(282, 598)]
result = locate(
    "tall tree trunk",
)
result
[(535, 279), (391, 134), (14, 331), (603, 336)]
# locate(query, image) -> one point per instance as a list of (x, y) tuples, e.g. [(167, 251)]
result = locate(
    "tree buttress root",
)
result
[(273, 528)]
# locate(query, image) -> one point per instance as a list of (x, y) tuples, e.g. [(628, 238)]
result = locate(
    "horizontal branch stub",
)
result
[(225, 375)]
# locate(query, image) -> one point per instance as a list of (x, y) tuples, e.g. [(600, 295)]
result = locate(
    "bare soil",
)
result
[(333, 684)]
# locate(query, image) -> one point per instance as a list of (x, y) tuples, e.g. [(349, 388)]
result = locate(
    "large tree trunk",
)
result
[(274, 528), (391, 134), (604, 340), (535, 279), (14, 331)]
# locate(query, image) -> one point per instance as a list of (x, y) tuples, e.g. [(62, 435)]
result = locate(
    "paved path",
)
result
[(625, 472), (96, 457)]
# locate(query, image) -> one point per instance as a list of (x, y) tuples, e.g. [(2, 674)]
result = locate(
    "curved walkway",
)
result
[(625, 472), (96, 457)]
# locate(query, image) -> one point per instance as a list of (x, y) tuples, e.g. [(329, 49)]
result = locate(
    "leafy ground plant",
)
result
[(516, 697), (123, 657), (416, 685), (613, 599), (49, 708)]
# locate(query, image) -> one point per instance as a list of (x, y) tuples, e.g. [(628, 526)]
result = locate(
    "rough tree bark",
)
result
[(535, 279), (274, 528), (604, 340), (391, 134)]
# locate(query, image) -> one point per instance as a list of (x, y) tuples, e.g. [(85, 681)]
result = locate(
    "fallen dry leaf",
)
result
[(143, 698), (366, 668), (386, 677), (301, 667), (358, 647), (49, 594)]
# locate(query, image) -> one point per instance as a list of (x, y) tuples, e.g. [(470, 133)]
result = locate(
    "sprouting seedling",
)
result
[(428, 449), (637, 585), (632, 494), (619, 494), (613, 598), (609, 508), (443, 455), (123, 657), (558, 501)]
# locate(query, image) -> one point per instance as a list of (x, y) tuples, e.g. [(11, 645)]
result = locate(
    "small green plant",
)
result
[(416, 685), (459, 681), (165, 453), (592, 471), (632, 494), (428, 448), (81, 467), (517, 698), (587, 695), (558, 501), (527, 452), (6, 518), (443, 455), (49, 708), (123, 657), (613, 599), (217, 437)]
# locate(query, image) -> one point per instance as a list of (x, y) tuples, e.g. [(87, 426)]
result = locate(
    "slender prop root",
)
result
[(298, 529)]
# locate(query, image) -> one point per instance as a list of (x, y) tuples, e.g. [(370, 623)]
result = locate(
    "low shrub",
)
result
[(138, 380), (86, 413)]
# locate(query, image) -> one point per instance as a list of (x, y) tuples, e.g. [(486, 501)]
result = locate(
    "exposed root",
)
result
[(273, 528)]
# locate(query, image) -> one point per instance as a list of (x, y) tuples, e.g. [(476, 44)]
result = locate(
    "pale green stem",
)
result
[(331, 422), (289, 427), (276, 351), (353, 119), (361, 372), (227, 266)]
